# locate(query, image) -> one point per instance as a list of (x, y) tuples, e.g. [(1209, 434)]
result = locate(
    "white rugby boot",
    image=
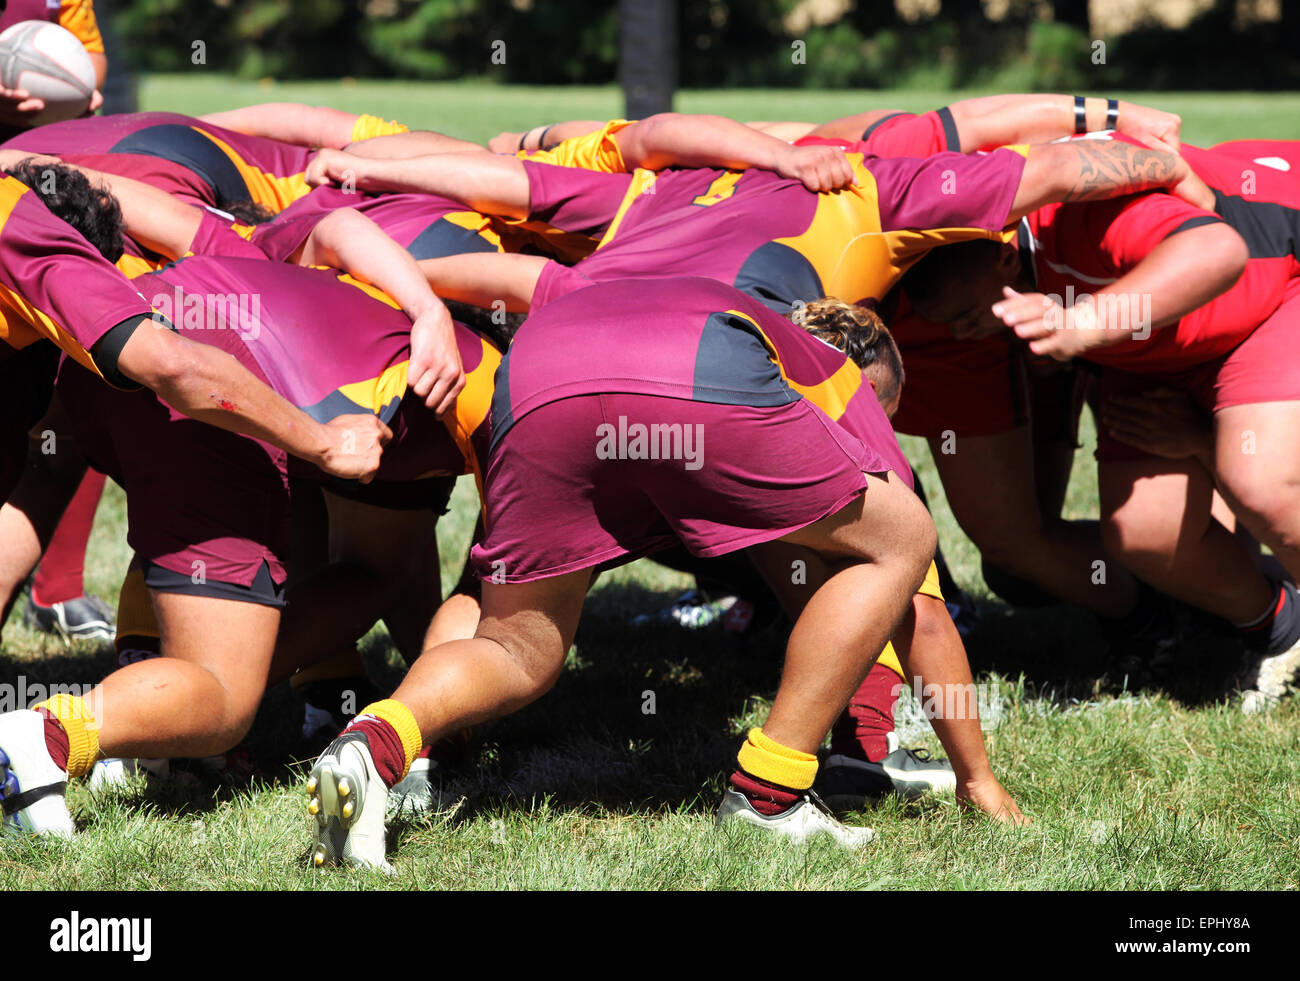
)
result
[(347, 798), (804, 820), (32, 785)]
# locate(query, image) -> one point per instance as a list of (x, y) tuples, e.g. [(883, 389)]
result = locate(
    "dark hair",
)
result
[(859, 332), (945, 266), (247, 213), (68, 193)]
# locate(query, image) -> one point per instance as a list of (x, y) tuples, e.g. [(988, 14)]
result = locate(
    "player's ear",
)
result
[(1009, 260)]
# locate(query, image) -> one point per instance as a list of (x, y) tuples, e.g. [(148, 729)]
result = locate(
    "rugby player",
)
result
[(700, 357), (1216, 293), (208, 512)]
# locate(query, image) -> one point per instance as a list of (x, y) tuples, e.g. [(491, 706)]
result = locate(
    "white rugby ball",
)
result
[(48, 62)]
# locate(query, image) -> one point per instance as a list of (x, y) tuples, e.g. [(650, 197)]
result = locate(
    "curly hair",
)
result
[(859, 332), (247, 213), (68, 193)]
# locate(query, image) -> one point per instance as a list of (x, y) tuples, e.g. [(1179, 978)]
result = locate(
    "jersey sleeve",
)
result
[(54, 284), (572, 199), (954, 195), (1128, 228), (367, 127), (907, 135), (78, 16), (597, 150)]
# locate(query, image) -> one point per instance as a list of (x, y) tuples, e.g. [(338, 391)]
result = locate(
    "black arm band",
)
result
[(109, 349), (541, 140), (1112, 113), (1080, 115)]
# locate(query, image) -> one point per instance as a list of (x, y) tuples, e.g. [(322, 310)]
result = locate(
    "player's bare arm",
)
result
[(348, 240), (1185, 271), (289, 122), (417, 143), (997, 120), (207, 384), (678, 140), (487, 183), (151, 216), (542, 137), (1094, 170), (484, 279)]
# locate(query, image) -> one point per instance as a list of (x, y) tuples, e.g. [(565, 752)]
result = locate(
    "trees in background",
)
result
[(867, 44)]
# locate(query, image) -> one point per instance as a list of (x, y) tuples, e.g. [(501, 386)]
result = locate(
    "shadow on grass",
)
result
[(647, 719)]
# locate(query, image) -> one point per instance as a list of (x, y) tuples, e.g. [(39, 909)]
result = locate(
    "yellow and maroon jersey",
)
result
[(426, 225), (367, 127), (770, 237), (597, 150), (54, 285), (331, 345), (185, 156), (686, 338)]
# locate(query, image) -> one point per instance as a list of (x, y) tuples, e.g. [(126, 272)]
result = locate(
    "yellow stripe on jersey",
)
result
[(597, 150), (373, 291), (268, 190), (132, 266), (643, 182), (367, 127), (478, 223), (473, 405), (831, 395), (853, 257), (375, 393), (78, 16)]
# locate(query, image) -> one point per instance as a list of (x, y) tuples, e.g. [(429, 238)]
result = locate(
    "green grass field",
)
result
[(1127, 789)]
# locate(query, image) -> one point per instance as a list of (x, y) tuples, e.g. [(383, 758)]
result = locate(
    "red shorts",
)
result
[(972, 387), (564, 492), (1265, 367)]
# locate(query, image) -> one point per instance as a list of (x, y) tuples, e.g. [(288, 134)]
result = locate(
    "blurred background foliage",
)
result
[(936, 44)]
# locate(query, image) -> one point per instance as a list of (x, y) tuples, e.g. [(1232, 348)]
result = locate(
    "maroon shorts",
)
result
[(1262, 368), (571, 486), (201, 502)]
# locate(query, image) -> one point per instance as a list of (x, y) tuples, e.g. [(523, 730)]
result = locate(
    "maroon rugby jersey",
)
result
[(772, 238), (684, 338), (216, 166)]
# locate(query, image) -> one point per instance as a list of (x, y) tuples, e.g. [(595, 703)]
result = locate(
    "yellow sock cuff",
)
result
[(766, 759), (400, 718), (889, 659), (74, 715)]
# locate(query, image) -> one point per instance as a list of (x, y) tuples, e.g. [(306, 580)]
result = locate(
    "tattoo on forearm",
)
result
[(1109, 169)]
